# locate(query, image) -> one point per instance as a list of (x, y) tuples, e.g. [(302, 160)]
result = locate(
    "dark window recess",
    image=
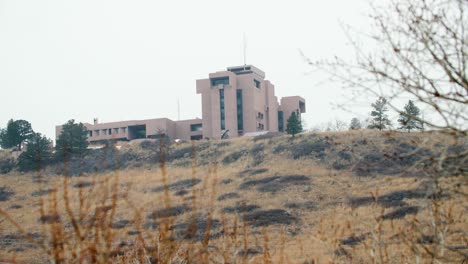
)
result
[(302, 107), (90, 133), (196, 127), (110, 131), (221, 80), (240, 121), (198, 137), (280, 121), (221, 105), (257, 83)]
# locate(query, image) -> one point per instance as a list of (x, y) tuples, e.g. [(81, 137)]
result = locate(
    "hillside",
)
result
[(358, 196)]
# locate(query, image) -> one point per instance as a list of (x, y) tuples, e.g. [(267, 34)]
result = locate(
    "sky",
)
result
[(124, 60)]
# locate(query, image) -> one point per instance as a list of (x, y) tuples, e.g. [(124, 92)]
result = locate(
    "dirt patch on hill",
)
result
[(50, 219), (275, 183), (240, 208), (401, 212), (269, 217), (309, 205), (179, 185), (42, 192), (226, 196), (250, 172), (121, 224), (168, 212), (197, 229), (392, 199), (6, 193), (83, 184)]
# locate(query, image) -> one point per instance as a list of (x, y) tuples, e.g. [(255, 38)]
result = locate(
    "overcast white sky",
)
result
[(119, 60)]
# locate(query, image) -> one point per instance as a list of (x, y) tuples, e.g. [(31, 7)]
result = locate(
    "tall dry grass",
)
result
[(78, 225)]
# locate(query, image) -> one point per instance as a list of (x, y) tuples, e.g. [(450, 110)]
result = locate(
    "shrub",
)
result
[(7, 162), (257, 153), (233, 157), (307, 148)]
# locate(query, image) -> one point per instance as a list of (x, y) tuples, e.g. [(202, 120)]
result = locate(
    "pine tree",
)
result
[(355, 124), (16, 132), (72, 140), (38, 153), (293, 125), (379, 118), (409, 118)]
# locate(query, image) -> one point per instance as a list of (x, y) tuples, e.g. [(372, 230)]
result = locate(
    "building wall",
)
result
[(153, 127), (260, 105), (292, 104), (184, 130)]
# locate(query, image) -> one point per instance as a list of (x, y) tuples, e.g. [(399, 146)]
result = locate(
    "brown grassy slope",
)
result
[(342, 197)]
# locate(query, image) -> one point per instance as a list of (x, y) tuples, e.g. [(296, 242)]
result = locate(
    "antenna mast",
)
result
[(245, 50), (178, 109)]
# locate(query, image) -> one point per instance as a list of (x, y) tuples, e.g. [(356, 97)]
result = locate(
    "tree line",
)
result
[(409, 119), (36, 149)]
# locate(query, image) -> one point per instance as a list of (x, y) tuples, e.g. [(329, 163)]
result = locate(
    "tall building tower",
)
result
[(242, 101)]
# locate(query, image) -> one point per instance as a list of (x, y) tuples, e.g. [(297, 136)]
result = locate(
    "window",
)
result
[(116, 130), (260, 115), (221, 102), (280, 121), (221, 80), (196, 127), (240, 121), (90, 133), (110, 131), (198, 137), (104, 131), (96, 132), (257, 83), (124, 130)]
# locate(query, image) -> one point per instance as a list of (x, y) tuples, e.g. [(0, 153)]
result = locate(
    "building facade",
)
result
[(137, 129), (242, 101), (236, 101)]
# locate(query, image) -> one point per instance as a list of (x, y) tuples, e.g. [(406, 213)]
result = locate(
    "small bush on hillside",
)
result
[(307, 148), (234, 156), (7, 162), (345, 155), (97, 160), (223, 144), (186, 152), (258, 154), (268, 135), (279, 148), (5, 193)]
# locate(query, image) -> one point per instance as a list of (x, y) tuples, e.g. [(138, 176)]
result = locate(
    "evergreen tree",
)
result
[(72, 140), (293, 125), (16, 132), (355, 124), (409, 118), (38, 153), (379, 118)]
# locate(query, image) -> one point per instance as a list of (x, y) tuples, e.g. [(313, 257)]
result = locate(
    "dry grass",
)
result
[(171, 213)]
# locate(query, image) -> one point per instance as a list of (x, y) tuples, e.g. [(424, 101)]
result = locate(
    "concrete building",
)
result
[(137, 129), (242, 101), (238, 100)]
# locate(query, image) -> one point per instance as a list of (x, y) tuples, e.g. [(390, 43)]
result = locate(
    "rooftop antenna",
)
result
[(245, 50), (178, 109)]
